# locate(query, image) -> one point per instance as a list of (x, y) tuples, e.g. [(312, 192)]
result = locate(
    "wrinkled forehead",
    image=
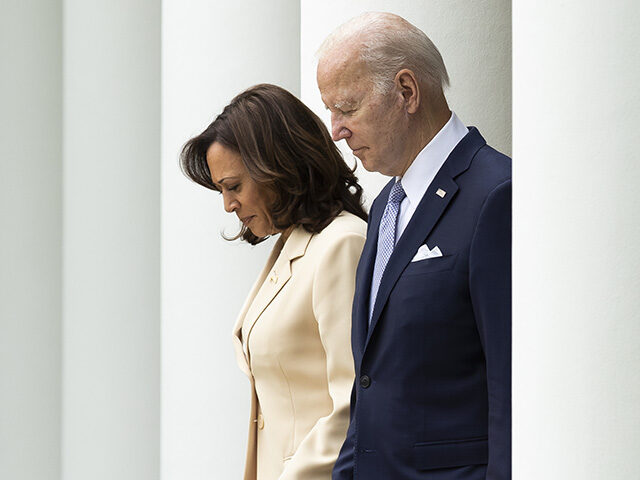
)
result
[(339, 79), (339, 58)]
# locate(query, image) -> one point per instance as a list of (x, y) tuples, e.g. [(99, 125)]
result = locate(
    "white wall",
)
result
[(30, 239), (474, 39), (211, 52), (111, 253), (576, 233)]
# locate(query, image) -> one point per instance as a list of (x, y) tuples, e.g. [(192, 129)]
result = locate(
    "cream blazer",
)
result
[(292, 339)]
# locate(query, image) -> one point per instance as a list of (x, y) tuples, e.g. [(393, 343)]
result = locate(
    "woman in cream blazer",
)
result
[(292, 339), (279, 171)]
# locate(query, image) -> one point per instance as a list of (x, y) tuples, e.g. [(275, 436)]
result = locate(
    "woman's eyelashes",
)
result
[(231, 188), (228, 187)]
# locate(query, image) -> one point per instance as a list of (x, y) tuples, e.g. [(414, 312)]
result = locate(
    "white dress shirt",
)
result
[(424, 168)]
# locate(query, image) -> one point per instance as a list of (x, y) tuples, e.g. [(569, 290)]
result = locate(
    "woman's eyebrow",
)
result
[(224, 179)]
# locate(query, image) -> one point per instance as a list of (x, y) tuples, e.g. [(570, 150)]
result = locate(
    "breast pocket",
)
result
[(431, 265)]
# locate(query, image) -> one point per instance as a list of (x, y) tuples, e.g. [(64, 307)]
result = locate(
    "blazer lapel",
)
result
[(276, 278), (237, 329), (427, 214)]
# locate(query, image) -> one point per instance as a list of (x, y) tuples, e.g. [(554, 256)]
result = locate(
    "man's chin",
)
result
[(367, 164)]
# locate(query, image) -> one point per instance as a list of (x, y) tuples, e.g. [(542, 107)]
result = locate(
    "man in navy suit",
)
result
[(431, 333)]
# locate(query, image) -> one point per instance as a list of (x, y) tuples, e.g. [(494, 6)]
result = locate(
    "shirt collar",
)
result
[(424, 168)]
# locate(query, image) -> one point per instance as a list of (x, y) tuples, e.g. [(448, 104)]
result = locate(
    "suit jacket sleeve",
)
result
[(490, 285), (332, 296)]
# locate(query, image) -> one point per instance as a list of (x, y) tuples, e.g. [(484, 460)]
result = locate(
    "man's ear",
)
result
[(408, 86)]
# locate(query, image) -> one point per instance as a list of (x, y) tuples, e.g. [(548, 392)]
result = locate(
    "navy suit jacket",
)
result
[(432, 395)]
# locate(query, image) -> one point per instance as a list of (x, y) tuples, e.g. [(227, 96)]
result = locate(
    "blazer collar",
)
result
[(274, 276), (427, 214)]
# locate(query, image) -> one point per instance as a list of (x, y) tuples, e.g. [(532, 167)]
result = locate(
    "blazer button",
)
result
[(365, 381), (260, 421)]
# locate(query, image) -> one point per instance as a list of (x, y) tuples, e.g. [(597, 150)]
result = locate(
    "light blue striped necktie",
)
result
[(386, 239)]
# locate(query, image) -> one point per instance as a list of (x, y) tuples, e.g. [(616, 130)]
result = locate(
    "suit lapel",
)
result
[(360, 316), (276, 278), (429, 210)]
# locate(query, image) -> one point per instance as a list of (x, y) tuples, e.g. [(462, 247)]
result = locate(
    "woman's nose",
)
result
[(230, 203)]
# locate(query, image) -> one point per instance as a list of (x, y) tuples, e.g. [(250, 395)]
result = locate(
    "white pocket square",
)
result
[(424, 253)]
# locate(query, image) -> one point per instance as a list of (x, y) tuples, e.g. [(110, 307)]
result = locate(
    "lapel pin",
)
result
[(441, 193), (274, 277)]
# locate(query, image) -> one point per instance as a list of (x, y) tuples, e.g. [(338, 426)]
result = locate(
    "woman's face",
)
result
[(240, 193)]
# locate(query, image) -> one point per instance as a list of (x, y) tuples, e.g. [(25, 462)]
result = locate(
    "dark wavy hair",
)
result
[(287, 151)]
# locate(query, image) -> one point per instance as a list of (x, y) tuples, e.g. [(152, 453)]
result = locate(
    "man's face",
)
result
[(373, 125)]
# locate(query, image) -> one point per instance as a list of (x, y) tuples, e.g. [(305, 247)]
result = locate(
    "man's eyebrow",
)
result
[(345, 104), (341, 105)]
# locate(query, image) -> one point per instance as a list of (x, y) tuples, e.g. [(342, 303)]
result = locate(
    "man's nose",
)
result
[(338, 130)]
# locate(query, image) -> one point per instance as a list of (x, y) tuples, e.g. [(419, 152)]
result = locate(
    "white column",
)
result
[(474, 39), (30, 238), (576, 233), (111, 293), (211, 52)]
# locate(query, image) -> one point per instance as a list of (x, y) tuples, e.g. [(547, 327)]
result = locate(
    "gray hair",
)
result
[(388, 43)]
